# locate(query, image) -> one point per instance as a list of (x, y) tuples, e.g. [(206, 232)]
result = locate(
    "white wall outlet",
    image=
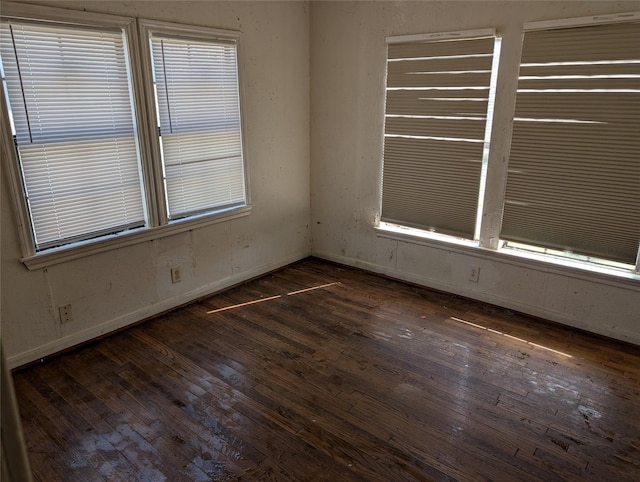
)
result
[(65, 313), (474, 273), (176, 274)]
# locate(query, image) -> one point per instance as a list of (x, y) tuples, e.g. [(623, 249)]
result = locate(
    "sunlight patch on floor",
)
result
[(511, 336), (270, 298), (312, 288)]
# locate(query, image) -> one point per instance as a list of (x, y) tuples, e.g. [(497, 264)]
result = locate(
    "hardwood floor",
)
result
[(321, 372)]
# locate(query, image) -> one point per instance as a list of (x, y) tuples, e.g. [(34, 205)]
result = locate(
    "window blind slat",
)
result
[(440, 64), (571, 134), (72, 108), (421, 102), (200, 147), (456, 127), (443, 48), (581, 68), (569, 83), (612, 106), (574, 177), (467, 79)]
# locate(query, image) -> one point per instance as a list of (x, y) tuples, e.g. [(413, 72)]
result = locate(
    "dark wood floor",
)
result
[(320, 372)]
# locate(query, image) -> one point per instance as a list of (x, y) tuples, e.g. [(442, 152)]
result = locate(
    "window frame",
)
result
[(145, 29), (471, 35), (35, 127), (537, 250), (157, 223)]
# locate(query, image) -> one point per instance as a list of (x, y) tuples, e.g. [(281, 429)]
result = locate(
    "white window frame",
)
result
[(537, 252), (444, 36), (146, 28), (158, 225), (488, 242)]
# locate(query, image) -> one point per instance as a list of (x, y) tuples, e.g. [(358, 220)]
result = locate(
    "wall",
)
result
[(116, 288), (345, 42), (347, 105)]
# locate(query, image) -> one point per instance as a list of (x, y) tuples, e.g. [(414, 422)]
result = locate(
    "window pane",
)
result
[(574, 175), (70, 99), (438, 98), (199, 117)]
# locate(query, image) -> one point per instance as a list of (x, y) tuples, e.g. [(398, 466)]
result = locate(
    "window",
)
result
[(571, 188), (574, 174), (197, 99), (101, 150), (74, 129), (439, 96)]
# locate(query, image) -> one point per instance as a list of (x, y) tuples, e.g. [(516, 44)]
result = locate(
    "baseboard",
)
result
[(533, 310), (145, 313)]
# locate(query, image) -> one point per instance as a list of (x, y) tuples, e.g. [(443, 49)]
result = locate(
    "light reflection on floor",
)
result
[(260, 300), (511, 336)]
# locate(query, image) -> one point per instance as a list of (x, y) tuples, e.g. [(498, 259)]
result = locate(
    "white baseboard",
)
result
[(533, 310), (123, 321)]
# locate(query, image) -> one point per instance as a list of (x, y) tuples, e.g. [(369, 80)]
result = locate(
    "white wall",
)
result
[(345, 44), (113, 289), (347, 94)]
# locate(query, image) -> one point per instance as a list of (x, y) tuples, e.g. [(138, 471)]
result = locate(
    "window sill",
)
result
[(73, 251), (420, 236), (547, 263)]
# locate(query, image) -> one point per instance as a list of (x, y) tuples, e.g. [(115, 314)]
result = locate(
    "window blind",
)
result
[(199, 117), (437, 99), (71, 105), (574, 172)]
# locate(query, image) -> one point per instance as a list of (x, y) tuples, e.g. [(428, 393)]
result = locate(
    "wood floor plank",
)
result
[(322, 372)]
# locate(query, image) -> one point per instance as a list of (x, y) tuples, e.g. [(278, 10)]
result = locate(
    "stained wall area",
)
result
[(113, 289), (348, 55)]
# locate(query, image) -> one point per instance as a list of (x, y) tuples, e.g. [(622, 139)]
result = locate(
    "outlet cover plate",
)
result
[(65, 313)]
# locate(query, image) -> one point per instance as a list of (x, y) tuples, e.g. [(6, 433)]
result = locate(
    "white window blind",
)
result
[(574, 171), (438, 95), (71, 104), (199, 115)]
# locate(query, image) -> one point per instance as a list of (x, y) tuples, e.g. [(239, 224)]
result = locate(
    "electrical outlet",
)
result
[(474, 274), (65, 313), (176, 274)]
